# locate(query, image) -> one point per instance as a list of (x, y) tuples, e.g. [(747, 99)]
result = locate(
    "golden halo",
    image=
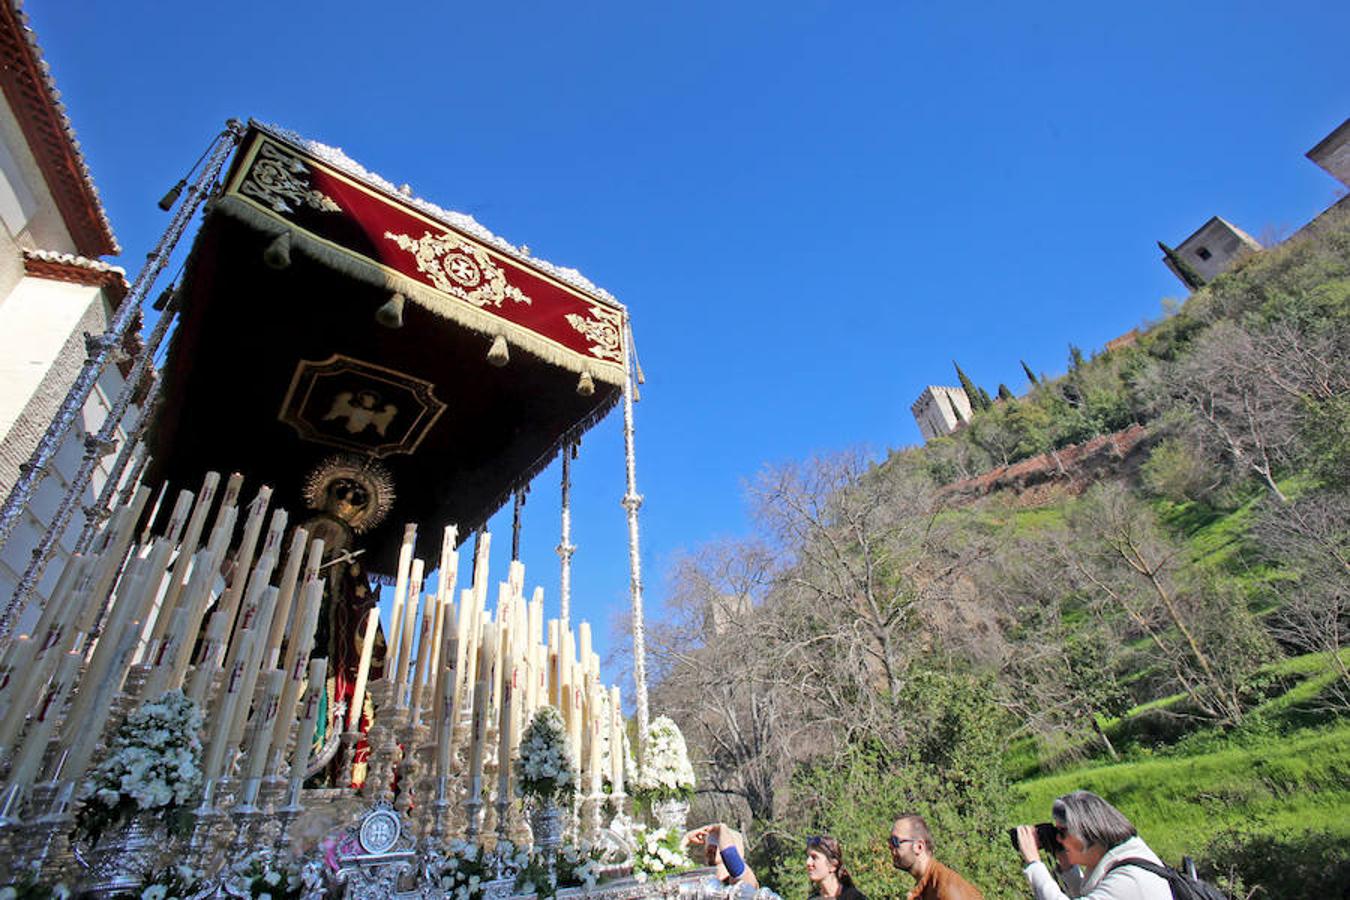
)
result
[(370, 474)]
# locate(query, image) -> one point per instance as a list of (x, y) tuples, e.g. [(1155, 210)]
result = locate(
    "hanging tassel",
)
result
[(168, 200), (278, 253), (390, 315), (585, 385), (499, 354)]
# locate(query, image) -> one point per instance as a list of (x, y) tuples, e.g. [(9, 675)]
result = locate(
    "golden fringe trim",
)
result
[(433, 301)]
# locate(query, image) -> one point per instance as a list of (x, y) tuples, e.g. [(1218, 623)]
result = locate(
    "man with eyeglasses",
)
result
[(912, 850)]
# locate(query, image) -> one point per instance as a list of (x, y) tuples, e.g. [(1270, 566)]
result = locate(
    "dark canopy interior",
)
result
[(245, 332)]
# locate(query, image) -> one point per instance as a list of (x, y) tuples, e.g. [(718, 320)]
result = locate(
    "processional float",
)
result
[(356, 382)]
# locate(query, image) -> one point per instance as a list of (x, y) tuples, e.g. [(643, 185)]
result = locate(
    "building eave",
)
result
[(32, 94), (77, 270)]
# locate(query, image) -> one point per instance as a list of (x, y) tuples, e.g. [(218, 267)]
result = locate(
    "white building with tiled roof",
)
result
[(53, 289)]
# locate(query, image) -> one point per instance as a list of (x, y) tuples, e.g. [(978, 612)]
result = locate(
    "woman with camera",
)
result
[(1092, 843), (830, 880)]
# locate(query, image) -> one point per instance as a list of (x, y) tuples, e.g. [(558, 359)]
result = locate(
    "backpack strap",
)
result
[(1162, 872)]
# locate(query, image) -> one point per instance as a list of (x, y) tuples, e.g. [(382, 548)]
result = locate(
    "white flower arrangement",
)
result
[(574, 866), (173, 882), (545, 769), (468, 868), (153, 763), (263, 877), (659, 854), (666, 773)]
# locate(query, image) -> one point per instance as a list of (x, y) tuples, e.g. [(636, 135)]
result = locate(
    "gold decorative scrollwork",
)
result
[(603, 331), (282, 182), (459, 268)]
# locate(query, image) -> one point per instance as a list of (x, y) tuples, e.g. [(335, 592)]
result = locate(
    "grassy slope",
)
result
[(1285, 771)]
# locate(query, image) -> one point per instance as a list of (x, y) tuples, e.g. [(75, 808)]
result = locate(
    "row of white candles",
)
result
[(152, 604), (491, 669), (471, 665)]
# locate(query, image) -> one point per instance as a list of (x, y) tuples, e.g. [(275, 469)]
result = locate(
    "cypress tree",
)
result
[(985, 401), (1031, 376), (1187, 272), (1075, 357), (1003, 392), (972, 393)]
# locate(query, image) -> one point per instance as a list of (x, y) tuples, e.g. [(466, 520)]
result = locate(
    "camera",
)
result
[(1047, 837)]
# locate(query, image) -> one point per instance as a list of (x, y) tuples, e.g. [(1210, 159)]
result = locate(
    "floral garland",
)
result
[(261, 877), (659, 854), (173, 882), (665, 773), (574, 866), (545, 770), (154, 763)]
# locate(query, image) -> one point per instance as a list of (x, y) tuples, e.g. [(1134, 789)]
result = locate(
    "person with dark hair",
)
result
[(830, 879), (912, 850), (1096, 838)]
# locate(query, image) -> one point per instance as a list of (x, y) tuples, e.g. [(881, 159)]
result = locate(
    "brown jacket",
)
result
[(941, 883)]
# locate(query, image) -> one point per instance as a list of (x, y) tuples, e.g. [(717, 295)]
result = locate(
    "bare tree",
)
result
[(721, 684), (1202, 635), (1225, 382), (1311, 538)]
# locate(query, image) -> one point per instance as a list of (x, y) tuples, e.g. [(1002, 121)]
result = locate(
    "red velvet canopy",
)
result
[(272, 370)]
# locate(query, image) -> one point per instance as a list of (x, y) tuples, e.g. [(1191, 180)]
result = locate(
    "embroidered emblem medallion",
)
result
[(602, 331), (356, 405), (280, 180), (459, 268)]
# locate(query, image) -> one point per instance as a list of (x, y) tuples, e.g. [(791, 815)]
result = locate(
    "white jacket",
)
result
[(1124, 883)]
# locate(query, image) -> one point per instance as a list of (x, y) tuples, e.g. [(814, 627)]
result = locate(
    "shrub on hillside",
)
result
[(1259, 861)]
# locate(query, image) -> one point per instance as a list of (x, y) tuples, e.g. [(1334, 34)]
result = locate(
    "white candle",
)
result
[(363, 668), (264, 723), (318, 673), (400, 597), (187, 549), (45, 717), (297, 661), (287, 608), (505, 730), (478, 735), (616, 754), (446, 711), (409, 628), (221, 720)]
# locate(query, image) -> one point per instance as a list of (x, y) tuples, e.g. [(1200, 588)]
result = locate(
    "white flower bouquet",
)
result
[(545, 770), (573, 866), (178, 881), (262, 877), (467, 870), (665, 773), (660, 854), (153, 763)]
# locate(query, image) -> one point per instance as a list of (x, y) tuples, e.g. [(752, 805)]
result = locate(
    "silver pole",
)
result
[(99, 349), (95, 448), (102, 506), (565, 547), (632, 502)]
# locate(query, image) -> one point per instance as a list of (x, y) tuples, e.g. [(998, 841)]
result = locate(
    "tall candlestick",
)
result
[(446, 711), (250, 654), (297, 659), (363, 668), (80, 733), (243, 564), (409, 627), (222, 718), (45, 717), (400, 597), (187, 549), (616, 752), (304, 739), (264, 723), (424, 652), (505, 730), (287, 609), (478, 736)]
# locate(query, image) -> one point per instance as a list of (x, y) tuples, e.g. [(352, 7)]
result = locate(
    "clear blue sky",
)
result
[(810, 208)]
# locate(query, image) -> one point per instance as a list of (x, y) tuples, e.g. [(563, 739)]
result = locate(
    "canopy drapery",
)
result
[(279, 361)]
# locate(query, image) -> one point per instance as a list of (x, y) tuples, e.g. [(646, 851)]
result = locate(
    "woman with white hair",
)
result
[(1095, 843)]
